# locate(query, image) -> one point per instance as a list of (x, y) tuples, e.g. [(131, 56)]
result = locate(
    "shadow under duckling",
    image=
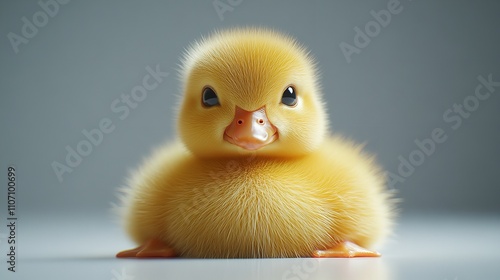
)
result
[(255, 173)]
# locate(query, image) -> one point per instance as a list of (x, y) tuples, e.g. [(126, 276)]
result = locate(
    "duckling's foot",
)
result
[(153, 248), (345, 249)]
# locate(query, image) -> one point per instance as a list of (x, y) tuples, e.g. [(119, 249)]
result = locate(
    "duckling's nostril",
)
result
[(240, 122), (260, 121)]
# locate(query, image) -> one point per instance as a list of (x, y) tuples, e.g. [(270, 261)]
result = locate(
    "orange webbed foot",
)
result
[(345, 249), (152, 248)]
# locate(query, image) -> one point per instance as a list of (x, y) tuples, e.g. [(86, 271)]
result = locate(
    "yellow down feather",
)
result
[(207, 198)]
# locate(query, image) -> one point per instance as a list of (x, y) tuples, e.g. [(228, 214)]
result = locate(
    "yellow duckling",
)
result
[(255, 173)]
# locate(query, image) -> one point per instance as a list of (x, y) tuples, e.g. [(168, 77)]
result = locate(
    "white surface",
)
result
[(423, 248)]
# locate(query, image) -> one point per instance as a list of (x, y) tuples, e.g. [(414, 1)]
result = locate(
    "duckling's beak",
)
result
[(250, 130)]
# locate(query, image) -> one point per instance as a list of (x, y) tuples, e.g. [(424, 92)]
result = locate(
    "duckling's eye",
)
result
[(289, 97), (209, 97)]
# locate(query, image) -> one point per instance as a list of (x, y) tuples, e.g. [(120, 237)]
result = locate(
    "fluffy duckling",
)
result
[(255, 173)]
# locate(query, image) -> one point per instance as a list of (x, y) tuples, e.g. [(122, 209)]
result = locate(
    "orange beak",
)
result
[(250, 130)]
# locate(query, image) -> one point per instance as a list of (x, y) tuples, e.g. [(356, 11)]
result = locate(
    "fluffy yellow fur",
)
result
[(205, 197), (250, 68)]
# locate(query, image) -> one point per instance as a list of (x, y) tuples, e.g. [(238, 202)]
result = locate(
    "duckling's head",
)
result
[(250, 90)]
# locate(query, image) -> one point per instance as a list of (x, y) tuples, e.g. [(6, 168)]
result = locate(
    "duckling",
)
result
[(255, 172)]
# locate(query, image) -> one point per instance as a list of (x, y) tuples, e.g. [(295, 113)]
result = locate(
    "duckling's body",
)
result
[(259, 207), (224, 190)]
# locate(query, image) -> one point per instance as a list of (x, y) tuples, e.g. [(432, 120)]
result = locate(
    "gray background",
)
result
[(395, 91)]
